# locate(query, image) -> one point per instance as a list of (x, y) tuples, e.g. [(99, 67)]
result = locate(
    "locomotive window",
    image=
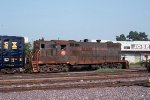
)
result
[(63, 46), (42, 46)]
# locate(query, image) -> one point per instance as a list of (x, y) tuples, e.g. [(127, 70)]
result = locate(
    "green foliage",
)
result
[(28, 50), (143, 36), (121, 38), (133, 36)]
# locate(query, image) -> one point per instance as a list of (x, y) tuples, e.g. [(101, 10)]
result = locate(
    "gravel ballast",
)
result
[(108, 93)]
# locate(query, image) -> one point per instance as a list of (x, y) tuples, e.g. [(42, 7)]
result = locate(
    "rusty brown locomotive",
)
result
[(62, 55)]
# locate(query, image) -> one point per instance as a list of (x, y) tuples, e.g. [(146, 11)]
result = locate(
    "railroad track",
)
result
[(27, 84), (74, 85), (69, 74)]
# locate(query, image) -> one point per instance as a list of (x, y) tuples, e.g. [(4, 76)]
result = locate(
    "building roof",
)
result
[(135, 45)]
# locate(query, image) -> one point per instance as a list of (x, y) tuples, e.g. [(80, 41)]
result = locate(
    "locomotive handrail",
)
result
[(35, 56), (35, 60)]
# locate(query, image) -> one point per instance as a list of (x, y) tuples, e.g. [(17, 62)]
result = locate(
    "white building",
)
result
[(135, 51)]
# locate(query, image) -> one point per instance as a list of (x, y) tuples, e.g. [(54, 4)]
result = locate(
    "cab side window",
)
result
[(43, 46), (63, 47)]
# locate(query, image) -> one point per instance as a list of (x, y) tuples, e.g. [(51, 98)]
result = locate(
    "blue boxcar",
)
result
[(12, 52)]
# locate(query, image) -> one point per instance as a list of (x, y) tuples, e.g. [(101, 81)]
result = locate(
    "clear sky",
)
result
[(73, 19)]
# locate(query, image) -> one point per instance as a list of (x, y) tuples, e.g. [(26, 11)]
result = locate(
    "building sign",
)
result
[(140, 46)]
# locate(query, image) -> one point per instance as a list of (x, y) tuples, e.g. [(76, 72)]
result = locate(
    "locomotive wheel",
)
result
[(65, 68), (57, 68), (94, 67), (51, 68), (60, 68), (54, 68), (105, 65), (119, 66), (43, 69)]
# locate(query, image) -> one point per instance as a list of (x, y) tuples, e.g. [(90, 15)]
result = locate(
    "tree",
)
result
[(133, 36), (28, 51), (121, 38), (143, 36)]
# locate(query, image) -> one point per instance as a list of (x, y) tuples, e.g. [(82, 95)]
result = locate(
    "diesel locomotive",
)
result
[(62, 55)]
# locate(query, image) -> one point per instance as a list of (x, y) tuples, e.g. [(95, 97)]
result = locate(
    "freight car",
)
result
[(12, 54), (62, 55)]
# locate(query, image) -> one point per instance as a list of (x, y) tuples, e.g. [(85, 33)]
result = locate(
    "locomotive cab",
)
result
[(49, 55)]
